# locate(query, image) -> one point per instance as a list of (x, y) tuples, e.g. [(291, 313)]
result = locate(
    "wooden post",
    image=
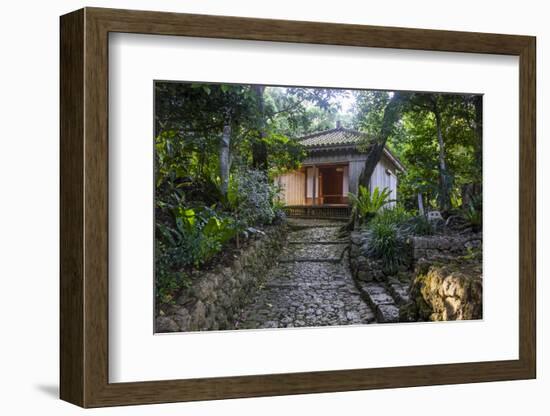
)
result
[(314, 202), (305, 186)]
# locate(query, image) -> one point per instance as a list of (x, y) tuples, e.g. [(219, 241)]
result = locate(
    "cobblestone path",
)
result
[(310, 285)]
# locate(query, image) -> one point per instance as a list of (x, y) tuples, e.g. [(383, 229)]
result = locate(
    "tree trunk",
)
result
[(225, 156), (259, 148), (392, 113), (444, 180), (420, 204)]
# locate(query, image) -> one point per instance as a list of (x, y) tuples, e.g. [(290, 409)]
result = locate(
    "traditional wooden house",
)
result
[(330, 171)]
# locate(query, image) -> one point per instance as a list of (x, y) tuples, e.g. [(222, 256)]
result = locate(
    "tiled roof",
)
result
[(340, 136), (334, 137)]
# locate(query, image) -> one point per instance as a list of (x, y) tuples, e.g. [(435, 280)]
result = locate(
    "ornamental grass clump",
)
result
[(388, 233), (386, 244)]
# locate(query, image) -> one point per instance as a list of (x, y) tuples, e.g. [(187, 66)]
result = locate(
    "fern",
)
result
[(367, 204)]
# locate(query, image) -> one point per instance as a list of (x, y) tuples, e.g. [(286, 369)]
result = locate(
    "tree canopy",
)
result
[(436, 136)]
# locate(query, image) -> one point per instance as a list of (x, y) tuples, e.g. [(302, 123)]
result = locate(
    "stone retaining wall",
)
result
[(214, 301), (363, 267), (441, 248), (372, 282)]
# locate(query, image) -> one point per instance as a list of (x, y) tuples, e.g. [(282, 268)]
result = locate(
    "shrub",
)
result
[(188, 237), (250, 196), (195, 237), (199, 234), (167, 279), (366, 204), (278, 209)]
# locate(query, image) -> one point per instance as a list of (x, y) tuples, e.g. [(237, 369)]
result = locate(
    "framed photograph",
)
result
[(255, 207)]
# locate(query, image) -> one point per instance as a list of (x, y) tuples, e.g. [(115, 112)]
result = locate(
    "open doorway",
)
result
[(332, 180)]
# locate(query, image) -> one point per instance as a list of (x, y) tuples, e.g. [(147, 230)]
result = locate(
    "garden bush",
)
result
[(194, 238), (251, 198), (168, 279), (189, 237)]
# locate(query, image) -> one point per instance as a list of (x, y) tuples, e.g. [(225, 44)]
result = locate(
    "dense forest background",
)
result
[(219, 146)]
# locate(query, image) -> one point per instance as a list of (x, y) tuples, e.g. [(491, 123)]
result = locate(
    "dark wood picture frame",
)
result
[(84, 207)]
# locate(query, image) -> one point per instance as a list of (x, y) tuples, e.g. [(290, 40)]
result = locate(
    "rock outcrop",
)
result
[(445, 293)]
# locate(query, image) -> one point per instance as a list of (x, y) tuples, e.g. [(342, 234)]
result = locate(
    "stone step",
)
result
[(308, 286), (380, 300), (313, 252), (399, 291), (341, 242), (387, 314), (310, 260), (317, 234), (305, 226)]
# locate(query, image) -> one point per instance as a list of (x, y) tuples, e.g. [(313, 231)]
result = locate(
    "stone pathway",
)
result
[(311, 284)]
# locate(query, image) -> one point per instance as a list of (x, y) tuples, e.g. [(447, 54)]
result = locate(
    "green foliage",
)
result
[(414, 140), (367, 204), (196, 237), (251, 197), (418, 225), (473, 212), (405, 221), (388, 233), (283, 153), (167, 279), (416, 144), (195, 220), (191, 241), (386, 244), (294, 112), (396, 215), (369, 114), (472, 254)]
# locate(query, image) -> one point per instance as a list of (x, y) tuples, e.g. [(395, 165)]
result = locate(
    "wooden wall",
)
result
[(384, 177), (293, 184), (293, 189), (355, 168), (380, 177)]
